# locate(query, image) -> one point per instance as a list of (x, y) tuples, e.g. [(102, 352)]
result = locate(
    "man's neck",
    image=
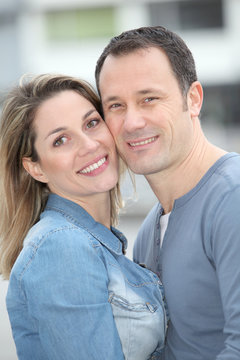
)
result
[(170, 184)]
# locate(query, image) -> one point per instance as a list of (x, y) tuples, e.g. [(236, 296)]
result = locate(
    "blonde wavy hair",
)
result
[(22, 198)]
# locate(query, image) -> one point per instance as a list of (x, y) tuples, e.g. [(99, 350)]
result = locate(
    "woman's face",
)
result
[(76, 152)]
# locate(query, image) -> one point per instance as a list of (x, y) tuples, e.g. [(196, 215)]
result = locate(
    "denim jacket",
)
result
[(74, 295)]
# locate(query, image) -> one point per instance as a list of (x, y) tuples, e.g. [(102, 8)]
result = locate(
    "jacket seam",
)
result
[(35, 248), (74, 220)]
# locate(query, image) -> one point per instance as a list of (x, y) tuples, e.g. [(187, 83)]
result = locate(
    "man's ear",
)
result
[(195, 98), (34, 169)]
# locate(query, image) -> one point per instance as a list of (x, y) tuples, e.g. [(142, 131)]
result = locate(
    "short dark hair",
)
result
[(179, 55)]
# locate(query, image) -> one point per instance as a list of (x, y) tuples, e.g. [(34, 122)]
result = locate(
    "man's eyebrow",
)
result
[(63, 128), (111, 98), (147, 91), (139, 92)]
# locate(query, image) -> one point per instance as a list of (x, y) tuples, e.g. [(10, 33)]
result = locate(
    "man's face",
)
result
[(145, 110)]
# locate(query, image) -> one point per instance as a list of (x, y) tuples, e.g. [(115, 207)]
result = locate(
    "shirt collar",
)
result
[(113, 239)]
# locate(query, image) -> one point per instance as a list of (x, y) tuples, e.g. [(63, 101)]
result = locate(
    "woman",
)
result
[(72, 292)]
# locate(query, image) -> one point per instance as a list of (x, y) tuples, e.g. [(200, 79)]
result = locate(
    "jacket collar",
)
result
[(113, 239)]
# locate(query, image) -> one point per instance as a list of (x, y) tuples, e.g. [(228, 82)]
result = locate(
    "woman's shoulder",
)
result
[(54, 228), (52, 240)]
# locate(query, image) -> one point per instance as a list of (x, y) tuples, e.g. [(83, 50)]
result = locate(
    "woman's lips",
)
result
[(95, 167)]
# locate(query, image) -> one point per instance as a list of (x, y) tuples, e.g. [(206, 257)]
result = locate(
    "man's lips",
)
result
[(93, 166), (142, 142)]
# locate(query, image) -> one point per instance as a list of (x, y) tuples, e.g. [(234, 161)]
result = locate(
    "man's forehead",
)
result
[(141, 53), (148, 57), (120, 76)]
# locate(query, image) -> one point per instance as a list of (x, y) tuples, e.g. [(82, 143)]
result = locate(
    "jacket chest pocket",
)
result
[(140, 326)]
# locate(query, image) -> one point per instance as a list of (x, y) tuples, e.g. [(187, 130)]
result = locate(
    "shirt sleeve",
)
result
[(226, 259), (144, 247), (66, 287)]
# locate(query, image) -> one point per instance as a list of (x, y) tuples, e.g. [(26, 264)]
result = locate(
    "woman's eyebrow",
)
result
[(88, 113), (54, 131)]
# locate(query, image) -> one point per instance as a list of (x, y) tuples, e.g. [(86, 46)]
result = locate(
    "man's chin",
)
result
[(140, 169), (138, 166)]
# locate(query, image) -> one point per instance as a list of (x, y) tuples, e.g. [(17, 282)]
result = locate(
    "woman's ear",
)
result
[(195, 98), (34, 169)]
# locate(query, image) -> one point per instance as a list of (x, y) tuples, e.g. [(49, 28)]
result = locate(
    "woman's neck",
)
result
[(99, 207)]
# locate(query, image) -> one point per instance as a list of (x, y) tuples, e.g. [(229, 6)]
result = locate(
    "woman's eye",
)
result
[(60, 141), (92, 123)]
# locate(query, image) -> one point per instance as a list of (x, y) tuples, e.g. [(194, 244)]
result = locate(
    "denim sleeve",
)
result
[(225, 250), (66, 286)]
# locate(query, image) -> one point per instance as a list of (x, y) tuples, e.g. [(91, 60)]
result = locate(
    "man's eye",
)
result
[(60, 141), (92, 123), (114, 106), (149, 99)]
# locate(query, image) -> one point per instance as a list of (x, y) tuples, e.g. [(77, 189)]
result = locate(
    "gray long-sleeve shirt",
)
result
[(199, 264)]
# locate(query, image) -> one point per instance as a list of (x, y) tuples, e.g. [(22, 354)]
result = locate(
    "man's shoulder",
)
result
[(228, 171), (222, 177)]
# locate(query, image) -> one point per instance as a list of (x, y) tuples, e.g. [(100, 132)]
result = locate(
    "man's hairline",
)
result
[(141, 49)]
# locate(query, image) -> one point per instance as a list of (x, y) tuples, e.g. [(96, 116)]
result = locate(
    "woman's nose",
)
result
[(87, 145)]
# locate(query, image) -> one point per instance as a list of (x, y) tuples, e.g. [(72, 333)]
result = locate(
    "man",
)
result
[(151, 101)]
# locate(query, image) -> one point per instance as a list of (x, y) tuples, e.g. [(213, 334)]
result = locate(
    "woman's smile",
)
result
[(95, 167)]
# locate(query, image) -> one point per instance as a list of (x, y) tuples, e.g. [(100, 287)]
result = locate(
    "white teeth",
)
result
[(93, 166), (143, 142)]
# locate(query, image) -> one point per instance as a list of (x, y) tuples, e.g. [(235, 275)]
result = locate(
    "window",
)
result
[(80, 23), (221, 104), (187, 14)]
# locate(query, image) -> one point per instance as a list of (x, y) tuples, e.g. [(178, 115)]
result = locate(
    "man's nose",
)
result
[(133, 120)]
